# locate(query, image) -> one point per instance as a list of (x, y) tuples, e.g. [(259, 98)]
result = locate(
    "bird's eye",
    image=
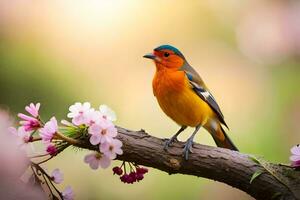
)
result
[(166, 54)]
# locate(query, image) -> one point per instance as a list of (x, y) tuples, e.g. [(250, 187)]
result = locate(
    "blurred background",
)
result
[(248, 52)]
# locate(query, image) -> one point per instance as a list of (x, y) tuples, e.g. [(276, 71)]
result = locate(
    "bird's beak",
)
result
[(150, 56)]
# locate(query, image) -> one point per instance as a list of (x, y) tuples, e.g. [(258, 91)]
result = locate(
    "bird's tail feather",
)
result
[(222, 140)]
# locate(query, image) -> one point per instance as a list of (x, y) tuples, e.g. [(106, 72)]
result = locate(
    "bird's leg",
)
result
[(189, 143), (174, 137)]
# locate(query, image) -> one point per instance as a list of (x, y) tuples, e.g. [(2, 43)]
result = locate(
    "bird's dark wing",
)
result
[(202, 91)]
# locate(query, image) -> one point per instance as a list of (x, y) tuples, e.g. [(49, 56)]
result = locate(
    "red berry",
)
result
[(141, 170), (124, 178), (117, 170), (130, 180), (51, 149), (133, 176), (139, 177)]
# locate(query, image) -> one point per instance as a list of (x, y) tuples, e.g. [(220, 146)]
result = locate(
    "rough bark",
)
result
[(236, 169)]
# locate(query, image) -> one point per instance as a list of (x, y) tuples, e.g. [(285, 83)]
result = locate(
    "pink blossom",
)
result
[(23, 136), (14, 163), (48, 131), (31, 122), (93, 117), (112, 148), (295, 157), (78, 112), (96, 159), (107, 113), (33, 109), (57, 176), (6, 121), (102, 132), (68, 193)]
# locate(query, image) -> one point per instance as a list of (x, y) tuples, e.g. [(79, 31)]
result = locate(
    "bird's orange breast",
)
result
[(178, 100)]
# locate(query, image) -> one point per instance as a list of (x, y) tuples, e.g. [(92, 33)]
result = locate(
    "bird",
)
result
[(183, 96)]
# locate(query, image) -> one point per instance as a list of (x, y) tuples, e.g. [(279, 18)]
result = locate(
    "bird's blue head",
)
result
[(170, 48)]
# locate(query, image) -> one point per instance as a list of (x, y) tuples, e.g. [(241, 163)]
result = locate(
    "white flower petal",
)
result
[(296, 150), (107, 112), (94, 164), (95, 139), (295, 158), (89, 157), (104, 162)]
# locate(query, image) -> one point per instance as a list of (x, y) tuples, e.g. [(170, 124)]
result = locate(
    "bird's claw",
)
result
[(187, 149), (169, 142)]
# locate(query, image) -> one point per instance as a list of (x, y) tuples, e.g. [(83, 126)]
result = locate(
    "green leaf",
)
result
[(285, 175), (254, 159), (255, 175)]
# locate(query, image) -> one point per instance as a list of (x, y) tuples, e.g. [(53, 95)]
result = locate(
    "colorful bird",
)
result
[(183, 96)]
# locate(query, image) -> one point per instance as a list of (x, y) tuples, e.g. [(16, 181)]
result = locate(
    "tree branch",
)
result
[(274, 181)]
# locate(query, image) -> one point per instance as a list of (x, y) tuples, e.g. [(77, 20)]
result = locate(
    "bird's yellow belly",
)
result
[(185, 107)]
